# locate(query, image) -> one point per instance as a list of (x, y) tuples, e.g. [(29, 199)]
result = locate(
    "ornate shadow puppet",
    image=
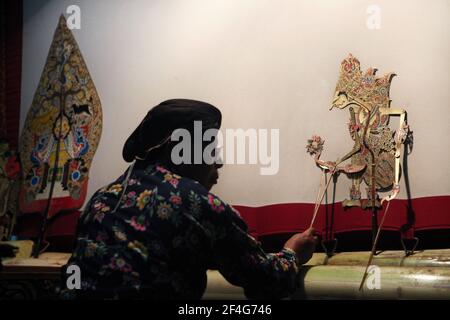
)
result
[(375, 156), (61, 132)]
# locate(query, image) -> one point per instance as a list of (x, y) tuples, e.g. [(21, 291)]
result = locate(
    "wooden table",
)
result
[(32, 279)]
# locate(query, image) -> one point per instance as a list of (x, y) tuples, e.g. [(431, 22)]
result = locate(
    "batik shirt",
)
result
[(165, 233)]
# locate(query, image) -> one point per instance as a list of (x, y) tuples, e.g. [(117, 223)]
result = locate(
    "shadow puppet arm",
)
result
[(399, 139)]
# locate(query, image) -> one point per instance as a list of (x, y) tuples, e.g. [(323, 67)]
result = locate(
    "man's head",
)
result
[(152, 139)]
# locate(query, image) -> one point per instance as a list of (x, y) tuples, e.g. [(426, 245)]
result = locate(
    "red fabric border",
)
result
[(64, 224), (429, 213)]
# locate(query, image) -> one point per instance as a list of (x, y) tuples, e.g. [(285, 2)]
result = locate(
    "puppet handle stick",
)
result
[(374, 247), (320, 188), (316, 209)]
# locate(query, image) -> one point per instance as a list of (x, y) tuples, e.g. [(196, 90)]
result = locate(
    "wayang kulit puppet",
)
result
[(61, 132), (375, 156)]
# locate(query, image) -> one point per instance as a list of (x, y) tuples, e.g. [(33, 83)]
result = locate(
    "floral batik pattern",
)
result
[(166, 233)]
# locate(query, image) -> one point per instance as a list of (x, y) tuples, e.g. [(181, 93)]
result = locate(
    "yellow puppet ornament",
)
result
[(376, 152)]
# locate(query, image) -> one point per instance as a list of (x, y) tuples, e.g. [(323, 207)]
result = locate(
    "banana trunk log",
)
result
[(342, 282), (425, 275), (428, 258)]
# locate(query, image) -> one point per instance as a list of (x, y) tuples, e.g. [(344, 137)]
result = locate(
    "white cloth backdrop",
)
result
[(266, 64)]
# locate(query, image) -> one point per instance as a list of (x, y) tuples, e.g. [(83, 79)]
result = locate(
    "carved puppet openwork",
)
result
[(375, 156), (376, 148), (61, 132)]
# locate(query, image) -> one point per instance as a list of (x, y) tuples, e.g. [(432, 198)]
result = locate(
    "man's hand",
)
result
[(303, 244)]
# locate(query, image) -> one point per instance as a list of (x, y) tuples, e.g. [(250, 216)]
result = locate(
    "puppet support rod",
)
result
[(400, 137)]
